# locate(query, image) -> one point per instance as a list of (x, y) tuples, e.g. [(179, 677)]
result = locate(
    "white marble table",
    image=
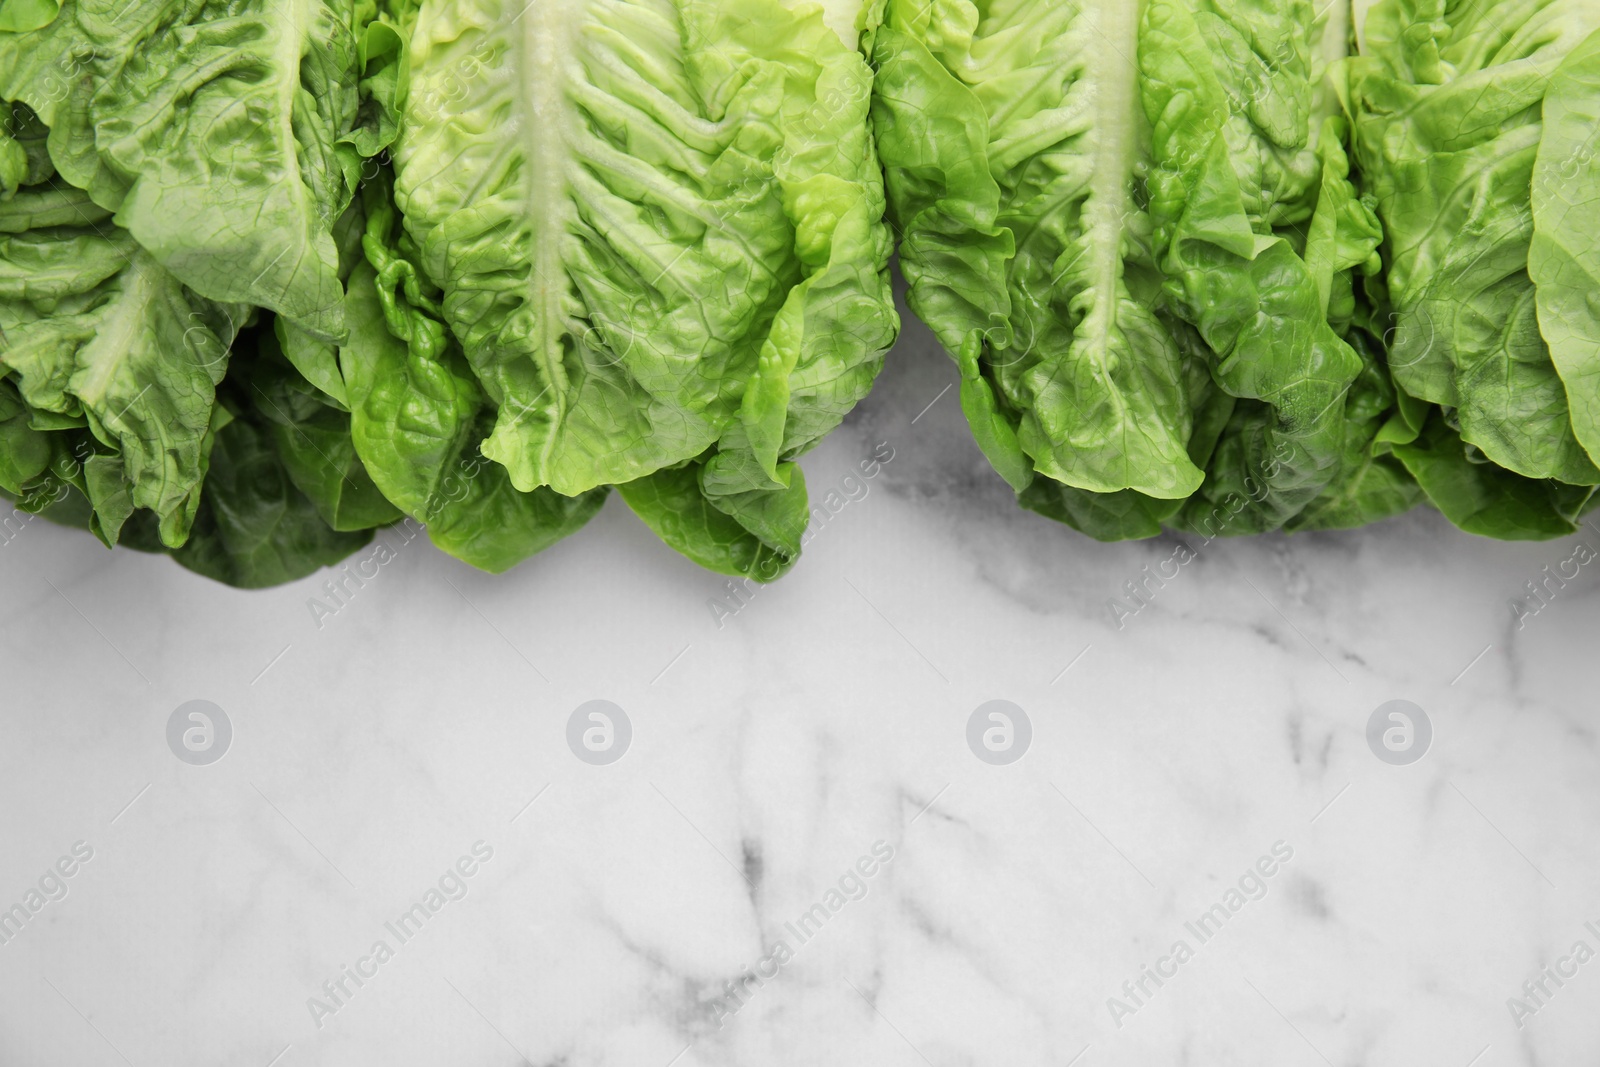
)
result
[(1011, 911)]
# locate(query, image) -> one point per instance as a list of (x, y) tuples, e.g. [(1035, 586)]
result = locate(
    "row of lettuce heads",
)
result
[(276, 273)]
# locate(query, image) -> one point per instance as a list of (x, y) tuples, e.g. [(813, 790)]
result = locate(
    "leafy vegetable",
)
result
[(1482, 498), (658, 234), (251, 526), (166, 168), (98, 335), (313, 440), (1564, 253), (227, 137), (1011, 144), (1120, 221), (417, 415), (273, 276), (1471, 131), (255, 528)]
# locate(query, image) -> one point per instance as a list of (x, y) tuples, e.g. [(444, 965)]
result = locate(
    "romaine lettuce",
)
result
[(1118, 219), (97, 335), (250, 526), (657, 229), (227, 137), (1474, 129), (418, 416), (1199, 266)]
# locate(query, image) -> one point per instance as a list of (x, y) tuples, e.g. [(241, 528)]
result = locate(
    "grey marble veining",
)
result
[(799, 860)]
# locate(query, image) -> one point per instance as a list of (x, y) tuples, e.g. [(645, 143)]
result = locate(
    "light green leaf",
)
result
[(1228, 93), (651, 224), (417, 417), (95, 328), (1012, 142), (226, 136), (1448, 126), (1564, 255), (20, 16)]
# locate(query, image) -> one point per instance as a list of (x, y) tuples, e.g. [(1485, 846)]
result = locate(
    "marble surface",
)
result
[(799, 860)]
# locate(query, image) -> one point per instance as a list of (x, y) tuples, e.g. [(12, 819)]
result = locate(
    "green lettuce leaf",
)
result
[(1129, 514), (254, 528), (1564, 254), (418, 416), (1229, 91), (25, 451), (653, 226), (1448, 122), (1483, 498), (1078, 185), (251, 529), (94, 332), (754, 536), (24, 159), (1372, 484), (227, 137), (1011, 139), (19, 16), (1344, 234), (314, 444)]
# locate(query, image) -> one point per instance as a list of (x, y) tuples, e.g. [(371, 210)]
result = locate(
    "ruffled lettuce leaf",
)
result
[(1129, 514), (95, 333), (251, 528), (254, 528), (1342, 239), (1372, 484), (656, 228), (1449, 123), (1481, 497), (25, 450), (753, 534), (24, 159), (1564, 253), (417, 415), (1012, 138), (312, 436), (1235, 189), (19, 16), (227, 136), (1148, 171)]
